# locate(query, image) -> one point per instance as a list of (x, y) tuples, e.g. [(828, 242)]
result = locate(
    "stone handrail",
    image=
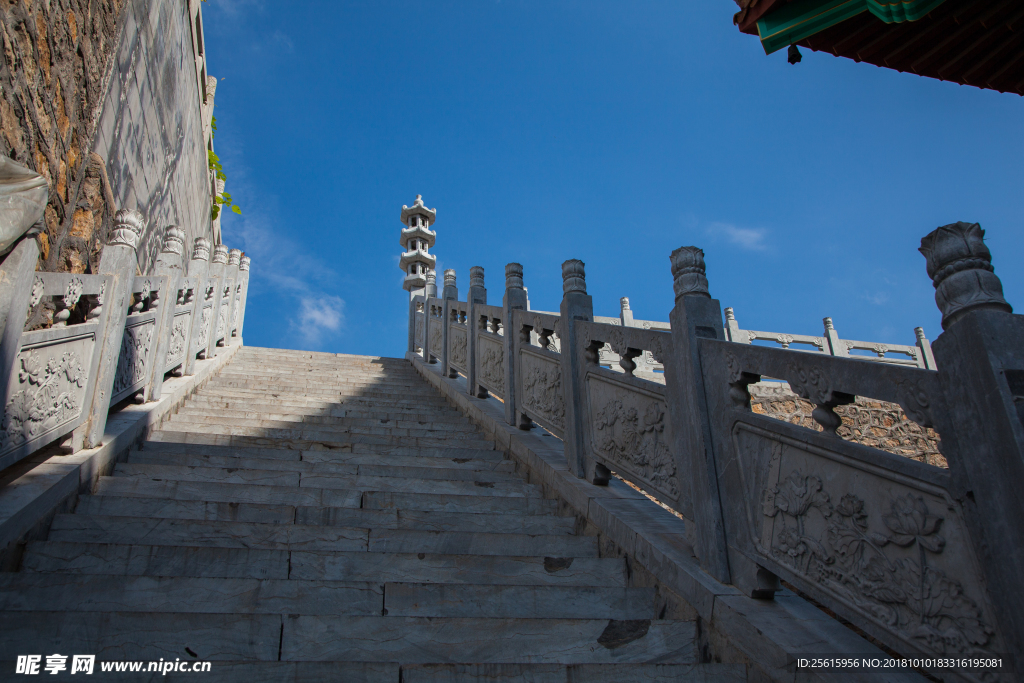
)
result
[(113, 336), (928, 560)]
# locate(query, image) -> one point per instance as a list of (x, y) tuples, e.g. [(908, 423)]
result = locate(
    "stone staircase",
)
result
[(320, 517)]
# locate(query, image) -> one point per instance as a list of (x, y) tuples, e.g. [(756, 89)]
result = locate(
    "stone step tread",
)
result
[(261, 477), (382, 394), (342, 409), (84, 528), (425, 640), (206, 424), (313, 497), (37, 592), (379, 468), (124, 506), (320, 453), (337, 417), (151, 560), (307, 440)]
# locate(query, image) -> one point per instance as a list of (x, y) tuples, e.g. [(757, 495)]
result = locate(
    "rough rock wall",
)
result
[(873, 423), (101, 98), (52, 76)]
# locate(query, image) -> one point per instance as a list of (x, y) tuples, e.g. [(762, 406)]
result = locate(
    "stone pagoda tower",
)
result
[(417, 238)]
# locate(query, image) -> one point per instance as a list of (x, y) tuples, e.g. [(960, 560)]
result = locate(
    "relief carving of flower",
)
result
[(910, 521), (797, 494)]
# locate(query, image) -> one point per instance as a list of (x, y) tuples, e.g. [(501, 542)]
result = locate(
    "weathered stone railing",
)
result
[(928, 560), (112, 335)]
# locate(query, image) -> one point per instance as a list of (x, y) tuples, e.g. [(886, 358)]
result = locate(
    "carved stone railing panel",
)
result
[(139, 341), (54, 375), (490, 351), (540, 389), (220, 334), (435, 314), (186, 299), (419, 318), (458, 335), (203, 322)]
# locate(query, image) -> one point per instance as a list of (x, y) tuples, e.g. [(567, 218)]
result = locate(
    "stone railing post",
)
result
[(732, 328), (199, 268), (576, 305), (696, 315), (120, 261), (835, 347), (218, 263), (243, 275), (625, 312), (449, 293), (169, 263), (428, 317), (231, 272), (980, 361), (16, 277), (515, 299), (927, 358), (477, 295)]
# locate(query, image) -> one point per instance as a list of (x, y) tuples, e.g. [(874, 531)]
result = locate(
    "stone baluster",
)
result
[(927, 359), (243, 275), (576, 305), (16, 280), (431, 284), (231, 274), (696, 315), (732, 328), (833, 344), (477, 295), (449, 293), (218, 262), (118, 260), (169, 263), (980, 363), (199, 268), (428, 316), (515, 299)]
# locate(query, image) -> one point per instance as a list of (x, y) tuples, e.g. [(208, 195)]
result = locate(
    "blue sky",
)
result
[(612, 132)]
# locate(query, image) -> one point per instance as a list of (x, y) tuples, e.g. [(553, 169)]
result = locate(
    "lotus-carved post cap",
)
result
[(201, 249), (431, 277), (574, 279), (243, 264), (514, 276), (234, 257), (828, 323), (174, 240), (128, 227), (688, 272), (730, 314), (919, 333), (476, 276), (624, 303), (960, 266), (449, 277), (220, 254)]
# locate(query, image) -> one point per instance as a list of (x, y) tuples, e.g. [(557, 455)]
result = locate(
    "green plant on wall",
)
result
[(223, 198)]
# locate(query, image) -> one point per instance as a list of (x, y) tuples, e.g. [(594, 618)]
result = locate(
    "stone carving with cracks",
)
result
[(458, 349), (492, 370), (131, 364), (834, 545), (177, 345), (50, 395), (542, 389)]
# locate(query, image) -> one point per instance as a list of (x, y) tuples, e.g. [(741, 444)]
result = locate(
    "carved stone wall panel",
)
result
[(235, 312), (631, 434), (458, 349), (887, 551), (491, 363), (130, 375), (222, 318), (179, 335), (47, 390), (419, 331), (436, 339), (540, 390), (205, 318)]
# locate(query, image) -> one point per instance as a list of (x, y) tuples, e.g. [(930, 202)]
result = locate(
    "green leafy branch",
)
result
[(223, 198)]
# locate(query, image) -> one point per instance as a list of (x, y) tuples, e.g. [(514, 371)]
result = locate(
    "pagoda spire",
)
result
[(417, 238)]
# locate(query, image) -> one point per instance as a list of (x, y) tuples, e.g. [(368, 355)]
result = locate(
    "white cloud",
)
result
[(751, 239), (319, 315)]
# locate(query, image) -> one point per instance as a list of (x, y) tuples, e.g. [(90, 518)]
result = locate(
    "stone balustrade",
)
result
[(924, 553), (76, 345)]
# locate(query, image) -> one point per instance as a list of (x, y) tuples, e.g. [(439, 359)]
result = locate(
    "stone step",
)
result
[(424, 640), (575, 673), (150, 560), (510, 487), (438, 471), (335, 417), (342, 428), (166, 508), (357, 453), (323, 498), (81, 528), (399, 394), (315, 378), (306, 439), (201, 533), (34, 592), (327, 408)]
